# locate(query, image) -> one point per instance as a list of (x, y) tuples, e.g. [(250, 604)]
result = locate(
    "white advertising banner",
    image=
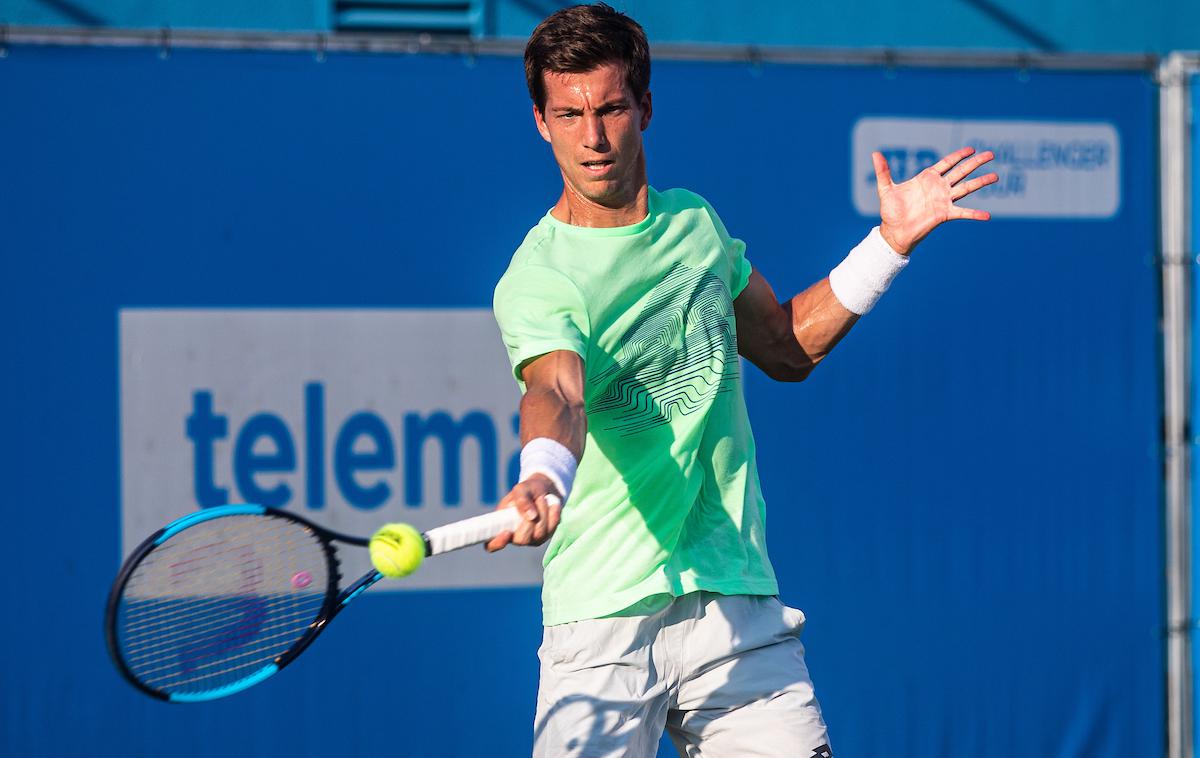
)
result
[(1047, 169), (350, 418)]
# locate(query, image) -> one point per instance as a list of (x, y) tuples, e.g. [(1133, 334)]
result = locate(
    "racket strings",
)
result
[(171, 678), (202, 611), (220, 600), (284, 621)]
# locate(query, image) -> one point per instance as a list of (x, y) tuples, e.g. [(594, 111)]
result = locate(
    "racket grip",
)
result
[(472, 531)]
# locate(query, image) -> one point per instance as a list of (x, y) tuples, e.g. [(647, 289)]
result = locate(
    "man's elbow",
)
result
[(780, 358), (790, 373), (786, 371), (556, 396)]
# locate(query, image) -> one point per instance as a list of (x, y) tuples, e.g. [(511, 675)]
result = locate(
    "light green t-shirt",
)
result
[(666, 497)]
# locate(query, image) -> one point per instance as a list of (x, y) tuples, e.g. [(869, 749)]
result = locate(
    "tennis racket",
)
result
[(220, 600)]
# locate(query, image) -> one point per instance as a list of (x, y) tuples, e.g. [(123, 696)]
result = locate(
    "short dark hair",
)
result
[(581, 38)]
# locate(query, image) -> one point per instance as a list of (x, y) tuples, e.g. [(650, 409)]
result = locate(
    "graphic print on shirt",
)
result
[(679, 353)]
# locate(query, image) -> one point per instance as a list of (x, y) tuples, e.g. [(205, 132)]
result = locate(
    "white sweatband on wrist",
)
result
[(551, 459), (860, 280)]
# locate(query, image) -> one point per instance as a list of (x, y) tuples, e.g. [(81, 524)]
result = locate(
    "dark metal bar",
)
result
[(433, 44)]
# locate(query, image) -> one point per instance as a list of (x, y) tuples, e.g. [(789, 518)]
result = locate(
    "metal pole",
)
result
[(1174, 178)]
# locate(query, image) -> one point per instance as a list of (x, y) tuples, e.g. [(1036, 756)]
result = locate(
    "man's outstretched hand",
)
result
[(910, 210)]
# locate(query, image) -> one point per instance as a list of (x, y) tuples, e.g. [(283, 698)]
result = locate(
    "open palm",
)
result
[(910, 210)]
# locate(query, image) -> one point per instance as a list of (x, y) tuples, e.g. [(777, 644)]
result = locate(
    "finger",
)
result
[(524, 534), (551, 508), (520, 501), (498, 542), (964, 169), (883, 174), (969, 214), (963, 189), (945, 164), (523, 501), (541, 528)]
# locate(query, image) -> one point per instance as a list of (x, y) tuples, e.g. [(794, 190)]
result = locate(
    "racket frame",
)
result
[(332, 604)]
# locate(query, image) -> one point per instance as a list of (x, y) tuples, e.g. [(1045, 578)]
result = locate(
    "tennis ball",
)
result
[(397, 550)]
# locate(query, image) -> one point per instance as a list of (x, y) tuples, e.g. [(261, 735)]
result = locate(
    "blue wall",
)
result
[(964, 499)]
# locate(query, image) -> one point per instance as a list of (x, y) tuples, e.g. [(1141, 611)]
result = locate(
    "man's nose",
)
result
[(594, 137)]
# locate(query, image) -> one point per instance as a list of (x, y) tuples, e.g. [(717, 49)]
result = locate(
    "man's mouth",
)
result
[(597, 166)]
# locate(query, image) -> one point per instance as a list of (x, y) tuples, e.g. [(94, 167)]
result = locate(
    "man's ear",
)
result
[(647, 110), (539, 118)]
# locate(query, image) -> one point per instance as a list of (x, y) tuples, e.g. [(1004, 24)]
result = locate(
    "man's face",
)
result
[(594, 126)]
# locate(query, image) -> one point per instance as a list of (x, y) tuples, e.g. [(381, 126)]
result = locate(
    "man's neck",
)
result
[(573, 208)]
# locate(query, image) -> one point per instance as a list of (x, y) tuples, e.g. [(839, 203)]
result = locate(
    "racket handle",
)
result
[(475, 530)]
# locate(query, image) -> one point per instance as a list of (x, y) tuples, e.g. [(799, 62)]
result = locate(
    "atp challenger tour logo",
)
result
[(1047, 169), (352, 418)]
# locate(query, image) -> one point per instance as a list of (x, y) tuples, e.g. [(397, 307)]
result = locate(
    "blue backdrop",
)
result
[(964, 499)]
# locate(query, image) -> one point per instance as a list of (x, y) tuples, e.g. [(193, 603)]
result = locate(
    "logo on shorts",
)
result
[(822, 752)]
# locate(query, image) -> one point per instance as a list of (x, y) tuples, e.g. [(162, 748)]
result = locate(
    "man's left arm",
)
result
[(787, 340)]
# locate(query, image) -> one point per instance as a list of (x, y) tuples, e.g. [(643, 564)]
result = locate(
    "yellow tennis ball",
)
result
[(397, 550)]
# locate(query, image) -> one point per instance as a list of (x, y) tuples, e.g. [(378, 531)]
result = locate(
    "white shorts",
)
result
[(723, 674)]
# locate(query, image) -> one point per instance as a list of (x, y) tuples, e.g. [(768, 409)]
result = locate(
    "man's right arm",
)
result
[(552, 409)]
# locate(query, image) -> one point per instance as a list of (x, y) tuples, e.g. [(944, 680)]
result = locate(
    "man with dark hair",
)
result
[(623, 312)]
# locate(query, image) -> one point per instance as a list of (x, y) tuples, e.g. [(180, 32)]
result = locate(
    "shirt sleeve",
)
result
[(736, 249), (735, 252), (539, 310)]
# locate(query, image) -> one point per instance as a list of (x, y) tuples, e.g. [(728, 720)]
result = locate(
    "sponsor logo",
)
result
[(1047, 169), (352, 418)]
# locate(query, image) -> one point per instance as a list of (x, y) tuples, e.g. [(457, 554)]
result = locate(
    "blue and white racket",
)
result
[(220, 600)]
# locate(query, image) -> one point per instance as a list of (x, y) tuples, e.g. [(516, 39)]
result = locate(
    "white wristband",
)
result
[(860, 280), (551, 459)]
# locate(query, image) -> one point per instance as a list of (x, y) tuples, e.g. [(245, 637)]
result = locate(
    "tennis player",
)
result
[(623, 313)]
